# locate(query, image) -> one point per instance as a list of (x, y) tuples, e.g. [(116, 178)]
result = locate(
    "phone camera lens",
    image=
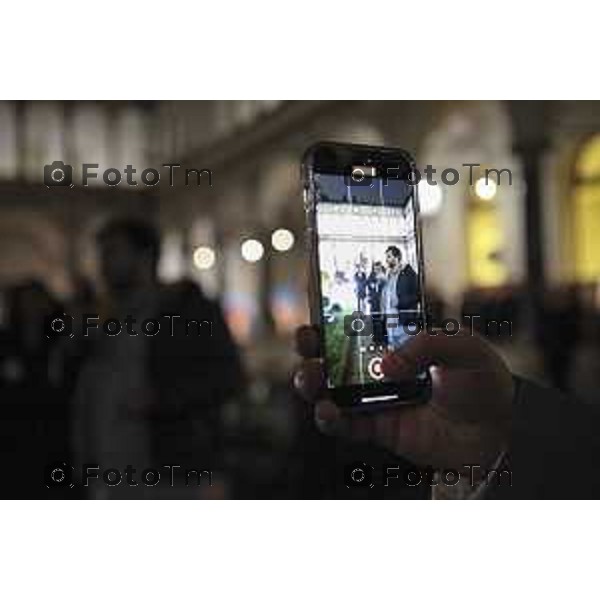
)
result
[(358, 175)]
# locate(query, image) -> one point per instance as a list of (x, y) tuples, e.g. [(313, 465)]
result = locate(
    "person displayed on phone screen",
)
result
[(399, 294)]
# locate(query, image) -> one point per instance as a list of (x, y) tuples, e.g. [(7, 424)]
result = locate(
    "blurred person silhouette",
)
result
[(399, 293), (148, 400), (360, 286), (375, 285), (28, 305), (34, 424), (401, 287), (559, 333)]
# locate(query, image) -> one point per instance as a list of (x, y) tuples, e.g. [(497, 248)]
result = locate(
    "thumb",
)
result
[(436, 347)]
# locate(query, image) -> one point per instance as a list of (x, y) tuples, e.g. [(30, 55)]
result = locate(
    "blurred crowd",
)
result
[(186, 399), (177, 395)]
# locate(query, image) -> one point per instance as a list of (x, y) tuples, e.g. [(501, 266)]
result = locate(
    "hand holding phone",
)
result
[(466, 421)]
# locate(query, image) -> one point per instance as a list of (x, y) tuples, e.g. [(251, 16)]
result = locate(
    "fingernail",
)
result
[(299, 380)]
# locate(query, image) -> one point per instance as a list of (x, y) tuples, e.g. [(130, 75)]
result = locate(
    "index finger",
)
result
[(308, 342), (460, 350)]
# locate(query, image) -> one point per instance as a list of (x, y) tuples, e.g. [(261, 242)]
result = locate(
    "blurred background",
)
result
[(528, 252)]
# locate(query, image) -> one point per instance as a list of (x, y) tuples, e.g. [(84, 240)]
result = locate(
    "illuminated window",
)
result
[(586, 212), (485, 242)]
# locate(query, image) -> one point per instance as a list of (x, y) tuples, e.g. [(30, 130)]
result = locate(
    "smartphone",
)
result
[(366, 280)]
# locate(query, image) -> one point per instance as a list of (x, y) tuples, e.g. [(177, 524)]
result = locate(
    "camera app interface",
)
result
[(368, 273)]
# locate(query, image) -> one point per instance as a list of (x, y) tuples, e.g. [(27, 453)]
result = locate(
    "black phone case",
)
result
[(352, 154)]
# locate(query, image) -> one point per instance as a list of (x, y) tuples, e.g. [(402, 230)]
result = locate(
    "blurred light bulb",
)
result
[(430, 198), (485, 190), (204, 258), (252, 250), (282, 240)]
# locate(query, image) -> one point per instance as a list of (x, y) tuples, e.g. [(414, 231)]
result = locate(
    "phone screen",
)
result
[(369, 276)]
